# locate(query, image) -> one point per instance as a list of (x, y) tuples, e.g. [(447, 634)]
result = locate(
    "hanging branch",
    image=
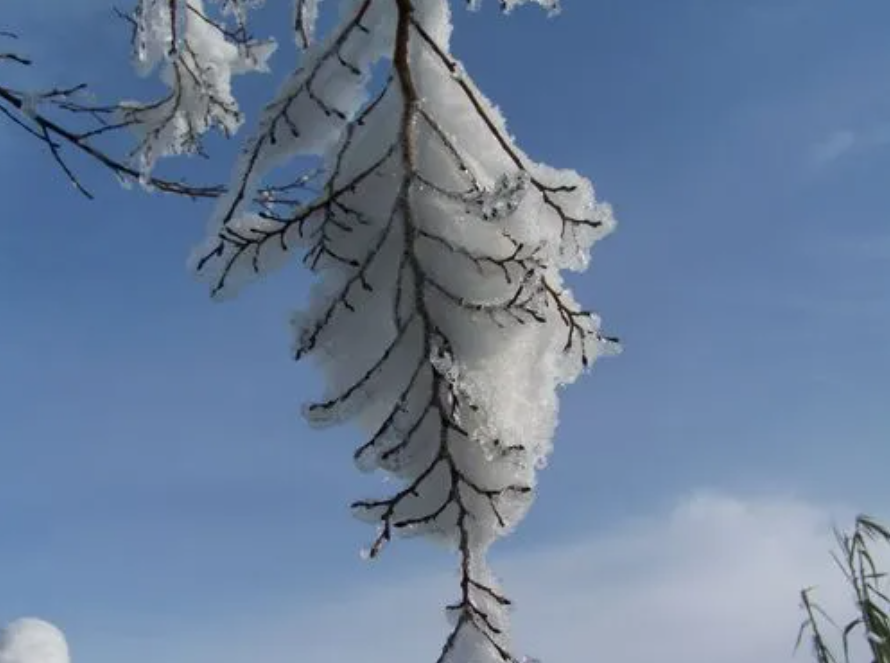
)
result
[(441, 321), (442, 242)]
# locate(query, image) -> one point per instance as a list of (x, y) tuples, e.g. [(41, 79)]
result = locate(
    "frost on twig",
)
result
[(198, 56), (440, 319), (198, 52), (305, 18), (552, 6)]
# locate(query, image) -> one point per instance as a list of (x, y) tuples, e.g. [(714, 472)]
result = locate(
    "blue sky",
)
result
[(158, 488)]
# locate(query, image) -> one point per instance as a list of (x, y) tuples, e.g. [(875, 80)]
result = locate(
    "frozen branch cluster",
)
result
[(198, 57), (67, 117), (440, 318)]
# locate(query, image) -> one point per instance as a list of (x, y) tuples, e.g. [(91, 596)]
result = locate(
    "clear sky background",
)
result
[(162, 501)]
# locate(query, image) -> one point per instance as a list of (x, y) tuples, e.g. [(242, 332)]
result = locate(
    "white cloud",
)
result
[(715, 579)]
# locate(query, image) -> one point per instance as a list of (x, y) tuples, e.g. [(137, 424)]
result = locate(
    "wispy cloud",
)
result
[(833, 147), (716, 578), (844, 143), (850, 248)]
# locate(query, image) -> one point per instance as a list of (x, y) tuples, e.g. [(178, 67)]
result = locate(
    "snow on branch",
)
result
[(199, 57), (61, 118), (440, 320), (198, 54), (552, 6), (305, 18)]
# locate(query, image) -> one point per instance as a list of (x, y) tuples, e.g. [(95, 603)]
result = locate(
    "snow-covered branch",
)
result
[(67, 119), (198, 56), (440, 319), (197, 53)]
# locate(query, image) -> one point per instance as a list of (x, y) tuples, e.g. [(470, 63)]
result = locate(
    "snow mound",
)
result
[(31, 640)]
